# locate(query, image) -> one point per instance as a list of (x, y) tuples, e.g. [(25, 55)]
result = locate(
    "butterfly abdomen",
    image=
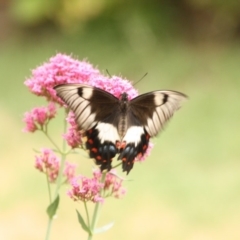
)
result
[(122, 124)]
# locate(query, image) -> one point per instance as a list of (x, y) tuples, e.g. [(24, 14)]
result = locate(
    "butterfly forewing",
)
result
[(89, 104), (154, 109)]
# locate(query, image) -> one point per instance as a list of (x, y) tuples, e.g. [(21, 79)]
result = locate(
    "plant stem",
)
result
[(50, 220), (60, 174), (49, 189), (96, 209), (53, 143), (86, 210)]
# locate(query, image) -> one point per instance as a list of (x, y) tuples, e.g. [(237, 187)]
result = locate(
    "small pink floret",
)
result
[(48, 163)]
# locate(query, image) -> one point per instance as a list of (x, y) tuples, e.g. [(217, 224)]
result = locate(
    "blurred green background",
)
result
[(189, 188)]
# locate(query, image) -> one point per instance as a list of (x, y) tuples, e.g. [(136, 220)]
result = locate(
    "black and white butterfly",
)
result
[(118, 126)]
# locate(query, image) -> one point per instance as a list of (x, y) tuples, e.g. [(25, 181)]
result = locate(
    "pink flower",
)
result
[(114, 85), (51, 110), (85, 189), (73, 135), (89, 189), (112, 185), (48, 163), (38, 117), (69, 171), (60, 69), (30, 122), (64, 69)]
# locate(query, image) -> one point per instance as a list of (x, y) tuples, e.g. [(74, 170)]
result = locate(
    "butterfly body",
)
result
[(118, 126)]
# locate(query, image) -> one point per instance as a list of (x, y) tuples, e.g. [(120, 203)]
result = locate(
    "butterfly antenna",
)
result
[(108, 73), (141, 78)]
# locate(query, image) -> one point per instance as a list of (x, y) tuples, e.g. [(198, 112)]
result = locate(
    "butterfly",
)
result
[(118, 126)]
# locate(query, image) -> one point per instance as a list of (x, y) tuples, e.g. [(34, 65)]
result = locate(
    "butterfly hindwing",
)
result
[(102, 148), (136, 143)]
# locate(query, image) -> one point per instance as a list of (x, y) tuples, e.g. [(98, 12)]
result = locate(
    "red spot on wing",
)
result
[(120, 145), (90, 141), (101, 151), (129, 151), (94, 150), (89, 131)]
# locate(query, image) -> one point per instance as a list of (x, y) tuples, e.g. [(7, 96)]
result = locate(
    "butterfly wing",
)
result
[(89, 104), (154, 109), (96, 113), (148, 113)]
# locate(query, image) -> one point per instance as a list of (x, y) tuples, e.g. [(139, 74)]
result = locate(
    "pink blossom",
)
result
[(73, 135), (30, 123), (51, 110), (48, 163), (114, 85), (38, 117), (112, 185), (69, 171), (85, 189), (60, 69)]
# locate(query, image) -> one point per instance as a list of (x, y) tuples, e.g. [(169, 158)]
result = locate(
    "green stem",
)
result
[(97, 209), (50, 220), (59, 179), (50, 139), (49, 189), (86, 210)]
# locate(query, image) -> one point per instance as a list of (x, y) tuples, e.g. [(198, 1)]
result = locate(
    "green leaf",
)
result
[(104, 228), (83, 224), (52, 208)]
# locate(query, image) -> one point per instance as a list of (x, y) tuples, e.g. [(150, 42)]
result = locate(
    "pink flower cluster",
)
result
[(38, 117), (48, 163), (89, 189), (112, 185), (60, 69), (64, 69), (114, 85), (86, 189), (73, 135)]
